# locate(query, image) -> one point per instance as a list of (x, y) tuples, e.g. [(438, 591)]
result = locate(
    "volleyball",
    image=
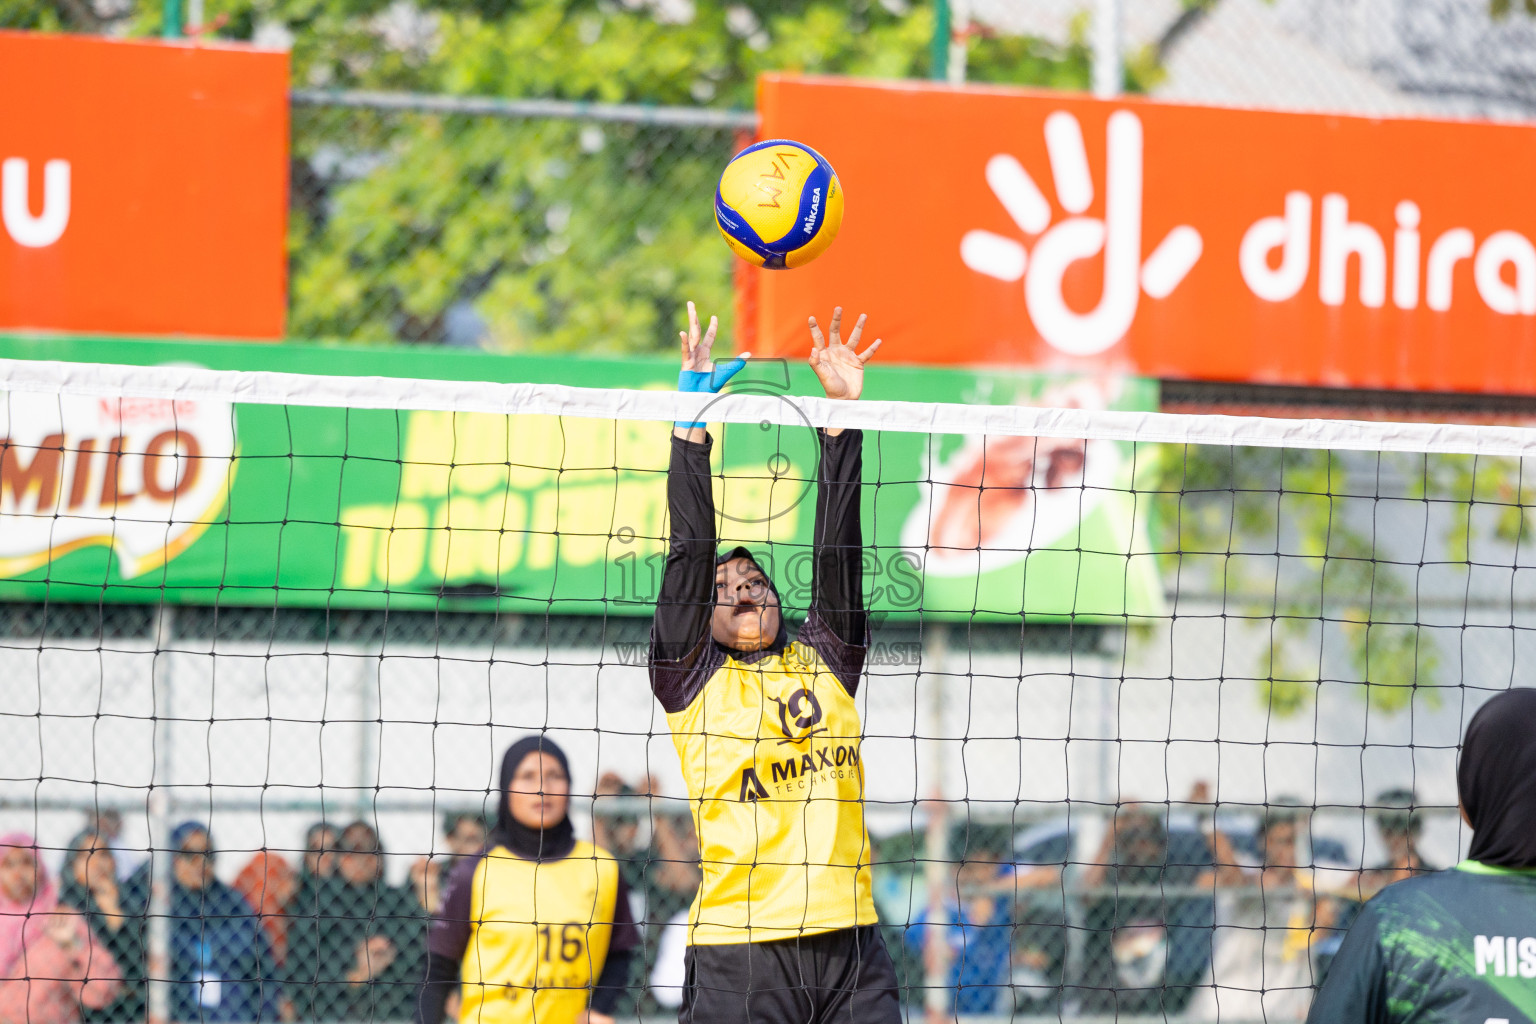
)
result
[(779, 204)]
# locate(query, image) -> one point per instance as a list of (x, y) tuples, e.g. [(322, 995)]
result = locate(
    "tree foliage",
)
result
[(539, 234), (1328, 552), (563, 235)]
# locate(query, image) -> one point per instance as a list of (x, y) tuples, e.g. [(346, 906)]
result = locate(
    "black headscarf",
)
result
[(781, 640), (1496, 778), (551, 843)]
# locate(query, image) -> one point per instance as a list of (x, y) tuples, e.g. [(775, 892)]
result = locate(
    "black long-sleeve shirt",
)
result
[(684, 656)]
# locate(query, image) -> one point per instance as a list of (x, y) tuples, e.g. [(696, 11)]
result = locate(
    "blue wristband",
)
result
[(706, 381)]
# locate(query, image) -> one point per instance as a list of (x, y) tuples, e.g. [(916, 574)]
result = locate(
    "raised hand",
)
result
[(699, 372), (698, 360), (839, 366), (696, 348), (374, 955)]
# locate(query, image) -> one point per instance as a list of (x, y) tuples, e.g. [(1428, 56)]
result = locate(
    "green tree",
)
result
[(559, 235), (564, 235), (1301, 543)]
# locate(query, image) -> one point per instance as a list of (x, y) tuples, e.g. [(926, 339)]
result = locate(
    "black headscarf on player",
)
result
[(551, 843), (781, 639), (1497, 780)]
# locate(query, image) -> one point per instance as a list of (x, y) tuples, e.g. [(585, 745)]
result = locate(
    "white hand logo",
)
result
[(1118, 235)]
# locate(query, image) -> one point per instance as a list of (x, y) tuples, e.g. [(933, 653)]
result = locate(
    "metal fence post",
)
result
[(939, 48), (160, 810), (1107, 72), (936, 852), (368, 726), (959, 40)]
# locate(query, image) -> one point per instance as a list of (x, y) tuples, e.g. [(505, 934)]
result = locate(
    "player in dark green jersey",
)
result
[(1457, 946)]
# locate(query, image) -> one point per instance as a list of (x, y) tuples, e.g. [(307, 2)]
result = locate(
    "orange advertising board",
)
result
[(143, 187), (993, 225)]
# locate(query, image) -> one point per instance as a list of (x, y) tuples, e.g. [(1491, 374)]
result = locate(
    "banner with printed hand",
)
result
[(1056, 231), (246, 504)]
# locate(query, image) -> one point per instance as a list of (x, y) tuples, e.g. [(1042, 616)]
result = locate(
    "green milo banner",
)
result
[(205, 502)]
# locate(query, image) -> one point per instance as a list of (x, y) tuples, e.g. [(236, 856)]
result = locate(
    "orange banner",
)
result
[(991, 225), (143, 187)]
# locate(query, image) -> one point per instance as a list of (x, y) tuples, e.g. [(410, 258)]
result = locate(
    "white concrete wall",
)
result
[(258, 728)]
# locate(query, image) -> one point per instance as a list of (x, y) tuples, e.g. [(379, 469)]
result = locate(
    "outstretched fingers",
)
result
[(817, 340), (858, 330), (867, 353), (696, 348)]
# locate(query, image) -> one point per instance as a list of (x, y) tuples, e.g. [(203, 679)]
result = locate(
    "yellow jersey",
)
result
[(539, 934), (770, 754)]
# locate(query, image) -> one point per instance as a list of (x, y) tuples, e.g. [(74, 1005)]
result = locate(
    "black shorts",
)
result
[(839, 977)]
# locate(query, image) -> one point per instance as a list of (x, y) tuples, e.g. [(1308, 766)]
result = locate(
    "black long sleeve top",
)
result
[(684, 656)]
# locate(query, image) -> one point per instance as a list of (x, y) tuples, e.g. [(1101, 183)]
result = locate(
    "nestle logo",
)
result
[(810, 221), (80, 471)]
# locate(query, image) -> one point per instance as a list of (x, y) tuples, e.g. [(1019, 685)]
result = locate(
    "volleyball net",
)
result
[(1120, 661)]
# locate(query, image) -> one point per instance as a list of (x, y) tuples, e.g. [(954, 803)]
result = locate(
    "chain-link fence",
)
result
[(515, 226), (531, 225), (301, 783)]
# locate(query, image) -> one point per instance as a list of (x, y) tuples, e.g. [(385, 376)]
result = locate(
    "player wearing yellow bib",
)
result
[(539, 922), (783, 928)]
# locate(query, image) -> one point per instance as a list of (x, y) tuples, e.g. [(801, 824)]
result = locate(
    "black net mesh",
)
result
[(1147, 726)]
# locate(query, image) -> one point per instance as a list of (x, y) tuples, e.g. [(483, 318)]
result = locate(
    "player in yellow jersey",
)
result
[(536, 929), (783, 928)]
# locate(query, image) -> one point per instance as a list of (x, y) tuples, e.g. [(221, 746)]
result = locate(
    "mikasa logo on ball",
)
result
[(810, 222)]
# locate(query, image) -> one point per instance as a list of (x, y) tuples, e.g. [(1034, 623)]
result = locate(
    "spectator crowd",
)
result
[(1168, 919), (327, 939), (324, 937), (1164, 919)]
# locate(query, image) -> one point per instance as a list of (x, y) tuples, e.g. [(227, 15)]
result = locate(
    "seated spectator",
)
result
[(426, 885), (302, 914), (268, 883), (671, 880), (464, 833), (1399, 824), (661, 878), (108, 824), (316, 869), (619, 832), (463, 836), (1267, 917), (1145, 947), (320, 849), (89, 883), (362, 956), (1040, 935), (52, 966), (221, 960), (970, 942)]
